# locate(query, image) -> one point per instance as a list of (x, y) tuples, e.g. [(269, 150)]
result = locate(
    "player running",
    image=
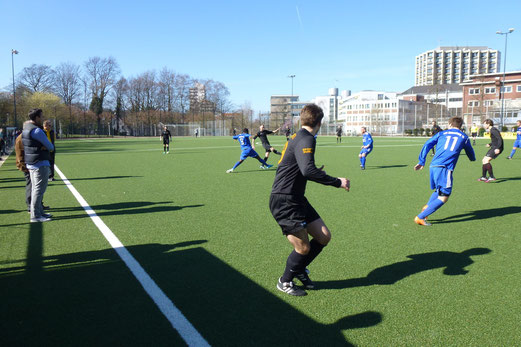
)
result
[(290, 208), (474, 130), (339, 134), (496, 147), (166, 136), (517, 143), (449, 144), (367, 147), (247, 151), (263, 134)]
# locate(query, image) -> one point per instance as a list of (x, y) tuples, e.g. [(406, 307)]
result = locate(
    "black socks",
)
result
[(297, 262)]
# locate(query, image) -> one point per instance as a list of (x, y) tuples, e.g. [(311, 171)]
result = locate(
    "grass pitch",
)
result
[(208, 240)]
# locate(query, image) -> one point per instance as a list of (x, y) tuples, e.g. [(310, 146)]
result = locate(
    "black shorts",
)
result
[(474, 134), (293, 213), (166, 142), (266, 146), (492, 154)]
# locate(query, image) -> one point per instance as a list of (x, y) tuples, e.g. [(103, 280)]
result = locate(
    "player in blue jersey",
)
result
[(367, 147), (449, 144), (517, 144), (247, 150)]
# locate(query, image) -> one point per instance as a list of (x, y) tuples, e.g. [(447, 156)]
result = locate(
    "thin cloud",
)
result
[(299, 19)]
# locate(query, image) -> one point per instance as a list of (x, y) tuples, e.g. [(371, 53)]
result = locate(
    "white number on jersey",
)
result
[(454, 141)]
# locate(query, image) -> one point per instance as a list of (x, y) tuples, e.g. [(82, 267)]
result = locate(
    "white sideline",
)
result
[(179, 322)]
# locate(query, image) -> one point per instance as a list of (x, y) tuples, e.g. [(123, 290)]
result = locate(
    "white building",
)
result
[(383, 113), (447, 65)]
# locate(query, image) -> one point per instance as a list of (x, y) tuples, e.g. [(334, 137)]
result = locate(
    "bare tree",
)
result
[(120, 90), (67, 85), (182, 94), (102, 73), (37, 78)]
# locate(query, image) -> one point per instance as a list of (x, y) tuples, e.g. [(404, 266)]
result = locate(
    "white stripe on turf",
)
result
[(165, 305)]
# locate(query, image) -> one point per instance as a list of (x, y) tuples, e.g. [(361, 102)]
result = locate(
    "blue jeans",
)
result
[(39, 179)]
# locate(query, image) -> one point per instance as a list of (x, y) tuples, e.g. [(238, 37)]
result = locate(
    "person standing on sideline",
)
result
[(166, 136), (449, 144), (339, 134), (474, 130), (289, 206), (496, 147), (517, 143), (288, 133), (435, 129), (367, 147), (36, 156), (47, 127)]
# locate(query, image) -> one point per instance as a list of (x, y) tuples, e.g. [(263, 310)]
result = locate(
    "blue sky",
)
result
[(252, 46)]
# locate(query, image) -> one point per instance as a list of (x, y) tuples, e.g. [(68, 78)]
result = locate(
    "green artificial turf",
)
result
[(208, 240)]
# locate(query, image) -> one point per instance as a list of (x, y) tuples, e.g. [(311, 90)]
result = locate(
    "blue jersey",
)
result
[(449, 144), (518, 134), (367, 139), (244, 140)]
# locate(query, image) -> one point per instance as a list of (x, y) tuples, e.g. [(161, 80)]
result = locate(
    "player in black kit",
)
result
[(435, 129), (263, 134), (290, 208), (496, 147), (166, 136)]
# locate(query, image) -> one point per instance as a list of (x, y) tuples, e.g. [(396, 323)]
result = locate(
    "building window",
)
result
[(473, 103), (473, 91), (490, 90), (506, 89), (518, 88), (489, 102)]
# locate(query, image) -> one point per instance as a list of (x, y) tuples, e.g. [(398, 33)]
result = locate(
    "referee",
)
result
[(496, 147), (290, 208)]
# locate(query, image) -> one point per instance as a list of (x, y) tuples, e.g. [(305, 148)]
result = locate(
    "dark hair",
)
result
[(35, 112), (489, 122), (245, 131), (456, 122), (311, 115)]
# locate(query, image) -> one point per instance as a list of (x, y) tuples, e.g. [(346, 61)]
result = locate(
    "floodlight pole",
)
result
[(502, 90), (290, 101), (13, 52)]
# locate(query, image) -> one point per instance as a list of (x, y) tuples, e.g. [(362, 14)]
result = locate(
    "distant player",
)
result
[(247, 151), (449, 144), (288, 133), (367, 147), (166, 136), (474, 130), (263, 135), (290, 208), (496, 147), (517, 143), (435, 129), (339, 134)]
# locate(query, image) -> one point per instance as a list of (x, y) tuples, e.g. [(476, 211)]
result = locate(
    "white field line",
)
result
[(259, 148), (165, 305)]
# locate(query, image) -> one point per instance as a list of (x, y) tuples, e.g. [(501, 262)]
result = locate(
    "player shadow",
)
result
[(507, 179), (100, 178), (10, 179), (479, 214), (385, 166), (12, 187), (453, 264), (257, 170), (91, 297)]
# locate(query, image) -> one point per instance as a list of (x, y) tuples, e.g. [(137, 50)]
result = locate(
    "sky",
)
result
[(253, 46)]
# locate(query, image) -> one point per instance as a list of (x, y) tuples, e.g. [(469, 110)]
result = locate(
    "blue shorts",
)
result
[(517, 144), (367, 151), (248, 153), (441, 180)]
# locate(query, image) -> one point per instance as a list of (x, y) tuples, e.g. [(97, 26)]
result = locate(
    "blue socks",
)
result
[(362, 161), (513, 152), (433, 197), (433, 205), (236, 164)]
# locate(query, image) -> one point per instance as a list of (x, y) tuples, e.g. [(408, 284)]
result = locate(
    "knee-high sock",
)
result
[(276, 152), (237, 164), (262, 161), (512, 153), (484, 170), (294, 265), (316, 248), (266, 159), (490, 172), (433, 207), (362, 160), (433, 197)]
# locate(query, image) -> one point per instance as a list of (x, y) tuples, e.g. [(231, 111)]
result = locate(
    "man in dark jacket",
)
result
[(49, 132), (496, 147), (36, 156)]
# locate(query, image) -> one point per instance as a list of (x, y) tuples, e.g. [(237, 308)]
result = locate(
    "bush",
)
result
[(481, 132), (408, 132), (415, 132), (504, 129), (422, 131), (428, 132)]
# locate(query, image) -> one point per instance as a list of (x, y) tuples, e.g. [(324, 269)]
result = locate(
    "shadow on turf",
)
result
[(507, 179), (92, 298), (453, 263), (480, 214), (100, 178), (386, 166)]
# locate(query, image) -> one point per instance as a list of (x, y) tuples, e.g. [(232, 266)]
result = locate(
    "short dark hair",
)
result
[(489, 122), (35, 112), (245, 131), (311, 115), (456, 122)]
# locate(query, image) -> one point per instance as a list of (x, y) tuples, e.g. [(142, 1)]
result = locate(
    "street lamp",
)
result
[(13, 52), (291, 100), (502, 90)]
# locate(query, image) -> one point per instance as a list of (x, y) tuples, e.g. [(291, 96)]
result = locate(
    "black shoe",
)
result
[(509, 157), (306, 281), (46, 207), (290, 288), (46, 215)]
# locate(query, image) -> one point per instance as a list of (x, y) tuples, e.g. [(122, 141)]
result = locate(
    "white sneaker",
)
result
[(40, 219), (229, 171)]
